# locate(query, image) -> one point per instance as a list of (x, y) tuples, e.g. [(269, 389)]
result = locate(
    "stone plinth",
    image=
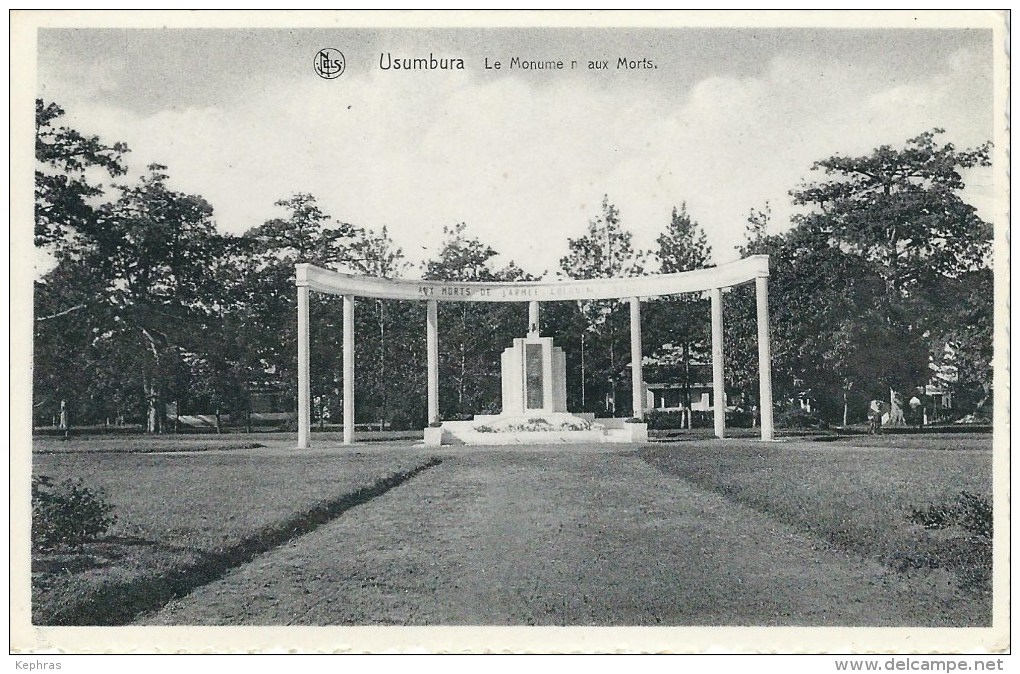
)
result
[(534, 377), (534, 407), (547, 429)]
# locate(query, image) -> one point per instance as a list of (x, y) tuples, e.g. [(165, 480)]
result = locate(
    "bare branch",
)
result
[(60, 313)]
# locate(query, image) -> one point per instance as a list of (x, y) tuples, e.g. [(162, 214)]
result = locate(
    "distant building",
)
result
[(665, 387)]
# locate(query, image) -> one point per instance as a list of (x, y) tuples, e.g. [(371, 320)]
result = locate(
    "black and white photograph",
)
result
[(546, 332)]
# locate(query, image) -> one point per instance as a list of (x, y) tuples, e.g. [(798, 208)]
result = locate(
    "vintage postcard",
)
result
[(542, 332)]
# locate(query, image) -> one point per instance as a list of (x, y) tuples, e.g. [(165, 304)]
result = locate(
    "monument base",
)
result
[(535, 429)]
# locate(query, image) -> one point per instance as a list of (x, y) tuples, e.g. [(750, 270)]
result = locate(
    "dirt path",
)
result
[(564, 537)]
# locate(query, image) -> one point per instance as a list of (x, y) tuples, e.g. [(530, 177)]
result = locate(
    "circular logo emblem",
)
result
[(329, 63)]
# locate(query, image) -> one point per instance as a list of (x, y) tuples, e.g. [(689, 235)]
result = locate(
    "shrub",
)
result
[(537, 424), (796, 417), (975, 514), (699, 419), (969, 557), (970, 512), (739, 418), (401, 421), (663, 420), (67, 513)]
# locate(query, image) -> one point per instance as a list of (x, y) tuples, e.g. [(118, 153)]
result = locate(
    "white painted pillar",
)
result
[(432, 350), (718, 374), (304, 408), (534, 327), (348, 369), (764, 358), (635, 358)]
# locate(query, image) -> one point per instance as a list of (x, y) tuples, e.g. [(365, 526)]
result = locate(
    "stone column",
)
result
[(635, 358), (432, 349), (718, 374), (304, 385), (764, 358), (348, 369), (534, 326)]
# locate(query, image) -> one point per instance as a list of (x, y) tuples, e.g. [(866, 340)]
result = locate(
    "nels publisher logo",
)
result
[(329, 63)]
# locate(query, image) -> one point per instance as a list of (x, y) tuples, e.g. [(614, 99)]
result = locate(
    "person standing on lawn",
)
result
[(875, 411)]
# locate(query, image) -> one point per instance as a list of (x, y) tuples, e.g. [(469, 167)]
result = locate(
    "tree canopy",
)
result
[(64, 195), (901, 210), (881, 281)]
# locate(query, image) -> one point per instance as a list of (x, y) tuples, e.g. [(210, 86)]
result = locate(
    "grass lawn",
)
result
[(854, 493), (186, 518), (556, 535), (198, 442)]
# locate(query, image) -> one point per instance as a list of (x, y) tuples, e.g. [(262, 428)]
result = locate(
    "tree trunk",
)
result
[(584, 402), (687, 386), (892, 284), (155, 414), (463, 362), (612, 372), (460, 381), (154, 422), (382, 362)]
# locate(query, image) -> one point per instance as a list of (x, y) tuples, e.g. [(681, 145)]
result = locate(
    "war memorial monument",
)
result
[(534, 405)]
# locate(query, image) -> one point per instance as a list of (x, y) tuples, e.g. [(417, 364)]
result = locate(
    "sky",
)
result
[(728, 120)]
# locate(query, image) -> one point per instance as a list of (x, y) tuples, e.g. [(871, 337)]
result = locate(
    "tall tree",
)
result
[(679, 326), (606, 250), (161, 267), (740, 324), (70, 299), (65, 196), (756, 232), (71, 319), (307, 234), (827, 340), (138, 281), (901, 210), (265, 300), (473, 334), (390, 386)]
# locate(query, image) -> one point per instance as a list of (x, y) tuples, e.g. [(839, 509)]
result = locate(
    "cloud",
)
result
[(525, 161)]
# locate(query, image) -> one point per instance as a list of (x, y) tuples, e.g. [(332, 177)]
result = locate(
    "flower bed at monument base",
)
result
[(552, 423), (550, 428)]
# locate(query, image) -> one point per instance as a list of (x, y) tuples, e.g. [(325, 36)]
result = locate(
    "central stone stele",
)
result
[(534, 377), (534, 406)]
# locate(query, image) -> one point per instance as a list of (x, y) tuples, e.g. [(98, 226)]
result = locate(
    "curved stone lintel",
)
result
[(699, 280)]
